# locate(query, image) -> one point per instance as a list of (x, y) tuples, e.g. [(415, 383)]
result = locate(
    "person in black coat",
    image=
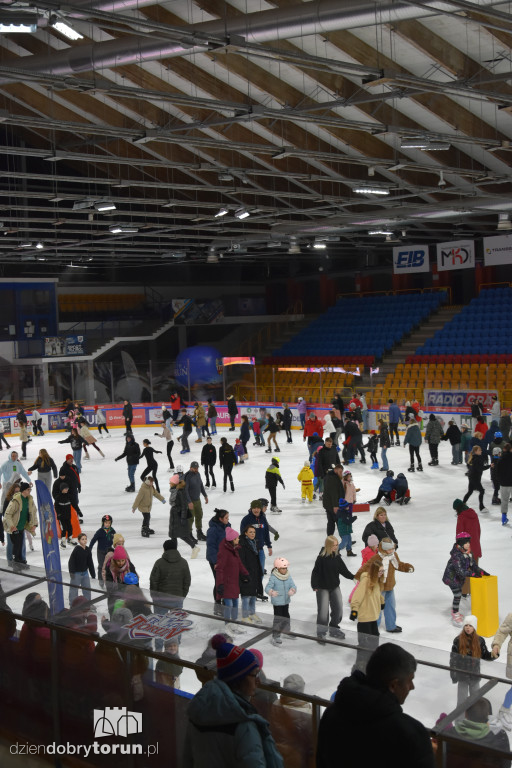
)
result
[(208, 461), (326, 458), (80, 565), (132, 455), (333, 492), (287, 422), (69, 473), (380, 526), (379, 695), (476, 466), (128, 416), (354, 441), (453, 434), (250, 588), (233, 411), (504, 472), (186, 422), (325, 581), (227, 461)]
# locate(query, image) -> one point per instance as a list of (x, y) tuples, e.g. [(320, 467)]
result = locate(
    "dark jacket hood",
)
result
[(355, 692)]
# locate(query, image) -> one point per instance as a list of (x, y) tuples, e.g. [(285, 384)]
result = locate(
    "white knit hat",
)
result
[(306, 463), (472, 620)]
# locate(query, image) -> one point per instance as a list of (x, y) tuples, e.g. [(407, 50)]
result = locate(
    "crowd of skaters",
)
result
[(244, 550)]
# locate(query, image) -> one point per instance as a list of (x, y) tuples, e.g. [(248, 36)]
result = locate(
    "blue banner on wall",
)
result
[(75, 345), (50, 542)]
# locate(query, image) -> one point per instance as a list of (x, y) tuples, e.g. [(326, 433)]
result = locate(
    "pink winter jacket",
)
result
[(350, 493), (366, 554)]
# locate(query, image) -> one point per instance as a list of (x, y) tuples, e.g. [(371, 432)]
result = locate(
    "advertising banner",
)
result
[(116, 419), (413, 258), (75, 345), (458, 400), (497, 250), (50, 544), (456, 255)]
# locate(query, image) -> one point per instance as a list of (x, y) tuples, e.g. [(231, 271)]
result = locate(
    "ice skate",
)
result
[(277, 449), (130, 488), (235, 629), (72, 543), (504, 520), (350, 553), (457, 619), (495, 500), (87, 457), (505, 718), (303, 500), (194, 552), (420, 468), (144, 532), (247, 620), (275, 510), (200, 535), (276, 641), (63, 543), (256, 619), (484, 511), (268, 450), (375, 465), (102, 454), (411, 469), (337, 633)]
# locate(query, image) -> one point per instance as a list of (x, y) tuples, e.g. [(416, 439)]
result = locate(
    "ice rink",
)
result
[(425, 530)]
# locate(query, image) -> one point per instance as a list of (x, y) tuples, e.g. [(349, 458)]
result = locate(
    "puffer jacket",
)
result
[(13, 512), (251, 561), (180, 513), (413, 435), (281, 586), (504, 631), (170, 575), (200, 416), (434, 432), (459, 665), (225, 731), (384, 440), (214, 535), (144, 499), (312, 426), (459, 567)]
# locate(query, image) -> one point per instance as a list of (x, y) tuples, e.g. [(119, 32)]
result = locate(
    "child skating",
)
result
[(460, 565), (272, 478), (467, 650), (305, 478), (281, 588), (476, 466), (344, 520), (372, 447)]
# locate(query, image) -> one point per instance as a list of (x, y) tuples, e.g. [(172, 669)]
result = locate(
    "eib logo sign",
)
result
[(413, 258)]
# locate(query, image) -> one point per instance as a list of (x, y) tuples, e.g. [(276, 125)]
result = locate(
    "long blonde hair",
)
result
[(330, 546), (473, 453), (47, 462)]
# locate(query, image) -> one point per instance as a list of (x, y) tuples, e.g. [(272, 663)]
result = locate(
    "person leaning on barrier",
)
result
[(371, 705)]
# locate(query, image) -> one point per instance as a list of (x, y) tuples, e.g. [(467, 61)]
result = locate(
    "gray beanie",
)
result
[(122, 616), (294, 683)]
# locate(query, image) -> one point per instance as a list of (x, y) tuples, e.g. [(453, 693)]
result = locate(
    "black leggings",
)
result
[(128, 425), (272, 492), (212, 566), (414, 450), (393, 429), (434, 449), (66, 530), (227, 473), (208, 472), (170, 445), (102, 426), (475, 485), (151, 469)]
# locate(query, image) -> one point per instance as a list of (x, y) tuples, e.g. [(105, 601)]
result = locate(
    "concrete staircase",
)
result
[(286, 334), (416, 339)]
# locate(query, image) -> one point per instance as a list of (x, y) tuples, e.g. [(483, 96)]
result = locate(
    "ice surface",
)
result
[(425, 530)]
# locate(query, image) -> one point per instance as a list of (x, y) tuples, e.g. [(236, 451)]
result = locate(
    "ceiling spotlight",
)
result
[(371, 170), (380, 232), (39, 246), (319, 246), (25, 245), (117, 229), (213, 256), (105, 205), (441, 182), (41, 258), (424, 144), (66, 30), (242, 213), (226, 177), (294, 245), (371, 191), (221, 212)]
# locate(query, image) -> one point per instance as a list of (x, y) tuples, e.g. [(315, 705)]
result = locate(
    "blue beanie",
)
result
[(233, 663), (342, 503)]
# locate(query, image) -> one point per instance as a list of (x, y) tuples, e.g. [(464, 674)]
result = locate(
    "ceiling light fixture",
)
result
[(504, 221), (25, 245), (424, 144), (319, 246), (117, 229), (242, 213), (221, 212), (380, 232), (441, 182), (39, 246), (66, 30), (371, 191), (12, 22), (106, 205), (225, 177)]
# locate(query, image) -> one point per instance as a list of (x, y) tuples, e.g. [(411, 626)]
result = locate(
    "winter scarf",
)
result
[(252, 544), (386, 560), (118, 574), (281, 576)]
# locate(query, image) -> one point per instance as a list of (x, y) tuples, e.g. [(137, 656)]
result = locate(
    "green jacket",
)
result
[(170, 575)]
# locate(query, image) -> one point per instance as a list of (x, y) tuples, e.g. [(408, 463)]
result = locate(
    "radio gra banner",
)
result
[(458, 399), (414, 258), (457, 255), (497, 250)]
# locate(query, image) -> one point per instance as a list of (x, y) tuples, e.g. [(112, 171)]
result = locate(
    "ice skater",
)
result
[(460, 565), (152, 467), (476, 466)]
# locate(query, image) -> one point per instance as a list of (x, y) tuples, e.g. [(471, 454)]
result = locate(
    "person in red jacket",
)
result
[(229, 571), (467, 520), (313, 425)]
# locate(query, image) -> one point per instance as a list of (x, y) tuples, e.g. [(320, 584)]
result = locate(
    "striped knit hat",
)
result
[(233, 662)]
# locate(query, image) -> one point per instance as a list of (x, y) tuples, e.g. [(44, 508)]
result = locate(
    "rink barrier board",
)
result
[(148, 414)]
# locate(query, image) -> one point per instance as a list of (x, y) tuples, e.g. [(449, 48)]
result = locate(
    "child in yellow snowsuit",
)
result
[(305, 477)]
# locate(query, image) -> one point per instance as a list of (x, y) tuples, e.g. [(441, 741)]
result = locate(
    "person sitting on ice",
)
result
[(401, 493), (385, 489)]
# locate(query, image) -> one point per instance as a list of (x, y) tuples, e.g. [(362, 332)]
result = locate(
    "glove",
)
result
[(291, 591), (163, 501), (273, 593), (276, 536), (353, 615), (220, 589), (353, 519)]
